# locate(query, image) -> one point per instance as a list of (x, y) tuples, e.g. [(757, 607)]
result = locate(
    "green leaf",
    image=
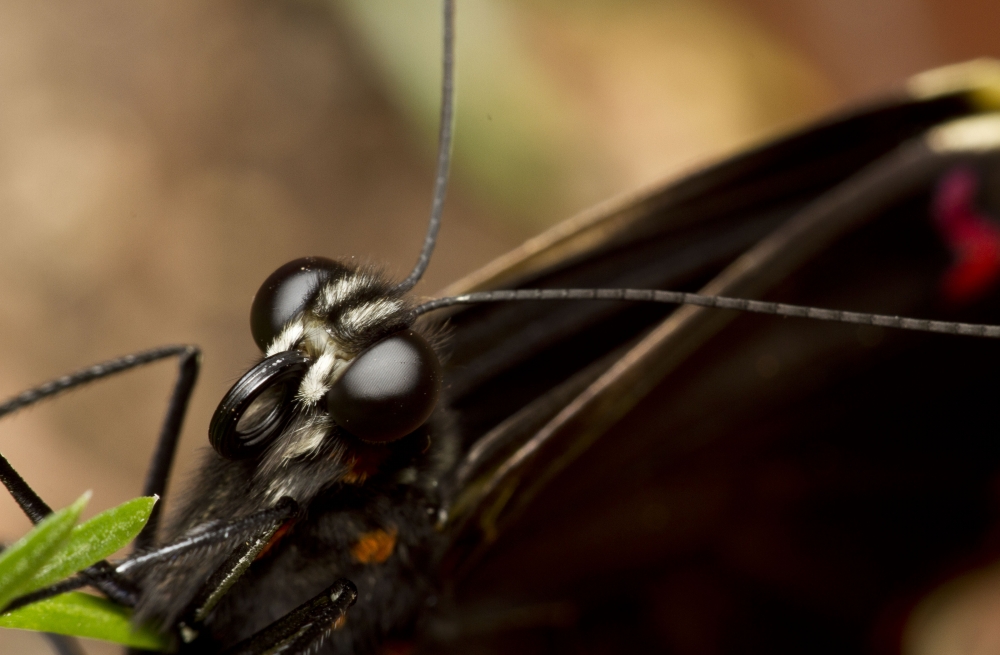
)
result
[(93, 541), (82, 615), (22, 560)]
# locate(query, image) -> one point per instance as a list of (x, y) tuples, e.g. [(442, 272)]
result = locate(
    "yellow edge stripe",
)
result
[(978, 78)]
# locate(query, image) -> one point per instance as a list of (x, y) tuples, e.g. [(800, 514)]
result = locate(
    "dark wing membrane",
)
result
[(678, 237), (698, 413), (505, 356)]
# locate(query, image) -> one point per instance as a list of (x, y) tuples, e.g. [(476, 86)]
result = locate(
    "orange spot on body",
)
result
[(972, 236), (275, 538), (374, 547), (339, 622)]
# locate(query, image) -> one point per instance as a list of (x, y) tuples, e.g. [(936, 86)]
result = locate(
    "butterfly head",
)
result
[(340, 357)]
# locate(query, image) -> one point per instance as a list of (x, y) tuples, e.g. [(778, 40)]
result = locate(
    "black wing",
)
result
[(732, 483)]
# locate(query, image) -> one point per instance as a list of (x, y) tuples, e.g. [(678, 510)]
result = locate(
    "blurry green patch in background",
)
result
[(563, 103)]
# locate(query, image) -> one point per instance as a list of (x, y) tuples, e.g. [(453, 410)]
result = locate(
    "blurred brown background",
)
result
[(158, 160)]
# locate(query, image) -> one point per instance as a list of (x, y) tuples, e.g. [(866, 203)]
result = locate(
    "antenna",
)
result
[(632, 295), (716, 302), (446, 130)]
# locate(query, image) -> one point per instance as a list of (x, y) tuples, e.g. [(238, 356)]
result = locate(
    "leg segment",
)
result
[(304, 627), (251, 533), (267, 524), (166, 447), (163, 458), (102, 574), (244, 529), (297, 631), (255, 532), (89, 374), (69, 584)]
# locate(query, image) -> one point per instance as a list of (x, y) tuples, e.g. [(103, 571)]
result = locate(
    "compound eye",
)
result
[(285, 293), (258, 407), (389, 390)]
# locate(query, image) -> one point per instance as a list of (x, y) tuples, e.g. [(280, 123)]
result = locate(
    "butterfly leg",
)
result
[(91, 373), (102, 575), (303, 628), (213, 534), (163, 458), (293, 633), (189, 364), (268, 526), (205, 538), (248, 537)]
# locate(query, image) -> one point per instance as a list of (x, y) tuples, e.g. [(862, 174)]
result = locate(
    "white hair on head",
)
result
[(303, 479), (358, 319), (302, 439), (337, 293), (290, 336), (347, 315), (317, 379)]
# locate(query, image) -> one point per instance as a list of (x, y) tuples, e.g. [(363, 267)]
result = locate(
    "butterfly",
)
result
[(531, 386)]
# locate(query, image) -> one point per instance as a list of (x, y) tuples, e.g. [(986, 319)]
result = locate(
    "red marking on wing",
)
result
[(972, 237)]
